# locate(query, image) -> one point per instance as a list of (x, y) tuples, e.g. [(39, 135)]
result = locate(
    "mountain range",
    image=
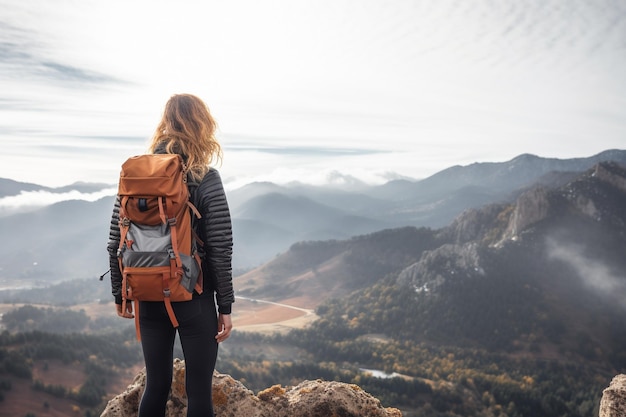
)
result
[(522, 298), (67, 239), (542, 274), (515, 304)]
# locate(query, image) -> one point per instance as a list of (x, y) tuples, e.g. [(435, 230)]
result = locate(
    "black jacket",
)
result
[(215, 230)]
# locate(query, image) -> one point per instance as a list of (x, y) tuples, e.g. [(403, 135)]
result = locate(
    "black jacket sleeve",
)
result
[(217, 235), (112, 246)]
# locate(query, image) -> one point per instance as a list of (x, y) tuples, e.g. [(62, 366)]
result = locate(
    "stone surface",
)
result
[(613, 403), (232, 399)]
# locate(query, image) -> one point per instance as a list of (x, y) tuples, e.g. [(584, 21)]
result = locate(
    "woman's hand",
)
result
[(224, 326), (128, 314)]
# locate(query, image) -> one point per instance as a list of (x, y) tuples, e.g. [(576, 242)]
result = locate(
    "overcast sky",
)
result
[(311, 90)]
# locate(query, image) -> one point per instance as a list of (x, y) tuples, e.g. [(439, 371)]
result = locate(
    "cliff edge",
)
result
[(232, 399), (613, 403)]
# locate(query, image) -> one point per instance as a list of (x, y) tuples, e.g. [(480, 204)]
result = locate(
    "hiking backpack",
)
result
[(158, 255)]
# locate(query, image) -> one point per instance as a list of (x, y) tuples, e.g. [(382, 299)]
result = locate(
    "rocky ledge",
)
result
[(232, 399), (613, 403)]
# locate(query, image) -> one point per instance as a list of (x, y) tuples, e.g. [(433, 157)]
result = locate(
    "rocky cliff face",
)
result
[(613, 403), (232, 399), (596, 196), (592, 195), (531, 207), (449, 261), (308, 399)]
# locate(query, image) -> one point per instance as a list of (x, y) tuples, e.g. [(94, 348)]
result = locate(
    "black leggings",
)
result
[(197, 329)]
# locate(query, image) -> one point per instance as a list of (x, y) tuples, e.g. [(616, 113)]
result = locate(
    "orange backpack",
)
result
[(158, 253)]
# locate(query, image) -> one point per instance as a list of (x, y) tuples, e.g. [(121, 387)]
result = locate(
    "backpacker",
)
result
[(158, 253)]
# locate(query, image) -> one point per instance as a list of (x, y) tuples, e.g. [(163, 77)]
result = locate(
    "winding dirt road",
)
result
[(256, 315)]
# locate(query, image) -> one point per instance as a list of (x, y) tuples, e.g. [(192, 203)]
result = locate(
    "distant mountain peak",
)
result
[(525, 157)]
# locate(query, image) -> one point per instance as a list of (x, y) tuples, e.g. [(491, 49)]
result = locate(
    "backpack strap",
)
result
[(167, 301), (161, 210), (199, 244), (136, 304), (171, 221), (200, 283), (124, 225), (194, 209), (176, 265), (127, 297)]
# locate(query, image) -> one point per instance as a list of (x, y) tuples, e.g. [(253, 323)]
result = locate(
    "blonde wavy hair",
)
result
[(187, 128)]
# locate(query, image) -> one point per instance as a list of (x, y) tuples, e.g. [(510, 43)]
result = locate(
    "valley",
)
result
[(251, 315), (258, 316)]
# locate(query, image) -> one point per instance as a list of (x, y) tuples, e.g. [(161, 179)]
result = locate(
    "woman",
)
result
[(188, 129)]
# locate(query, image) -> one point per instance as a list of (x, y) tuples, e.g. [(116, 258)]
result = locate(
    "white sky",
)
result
[(300, 89)]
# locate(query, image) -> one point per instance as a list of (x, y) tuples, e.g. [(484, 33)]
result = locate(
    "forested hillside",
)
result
[(72, 372)]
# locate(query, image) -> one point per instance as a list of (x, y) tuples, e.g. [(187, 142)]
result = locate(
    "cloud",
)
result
[(23, 57), (60, 72), (595, 274), (307, 150), (31, 200)]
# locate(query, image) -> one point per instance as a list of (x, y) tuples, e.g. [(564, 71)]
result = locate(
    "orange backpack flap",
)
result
[(157, 173), (149, 177)]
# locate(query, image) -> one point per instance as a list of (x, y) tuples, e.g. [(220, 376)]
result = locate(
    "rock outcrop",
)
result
[(613, 403), (447, 262), (232, 399), (531, 207)]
